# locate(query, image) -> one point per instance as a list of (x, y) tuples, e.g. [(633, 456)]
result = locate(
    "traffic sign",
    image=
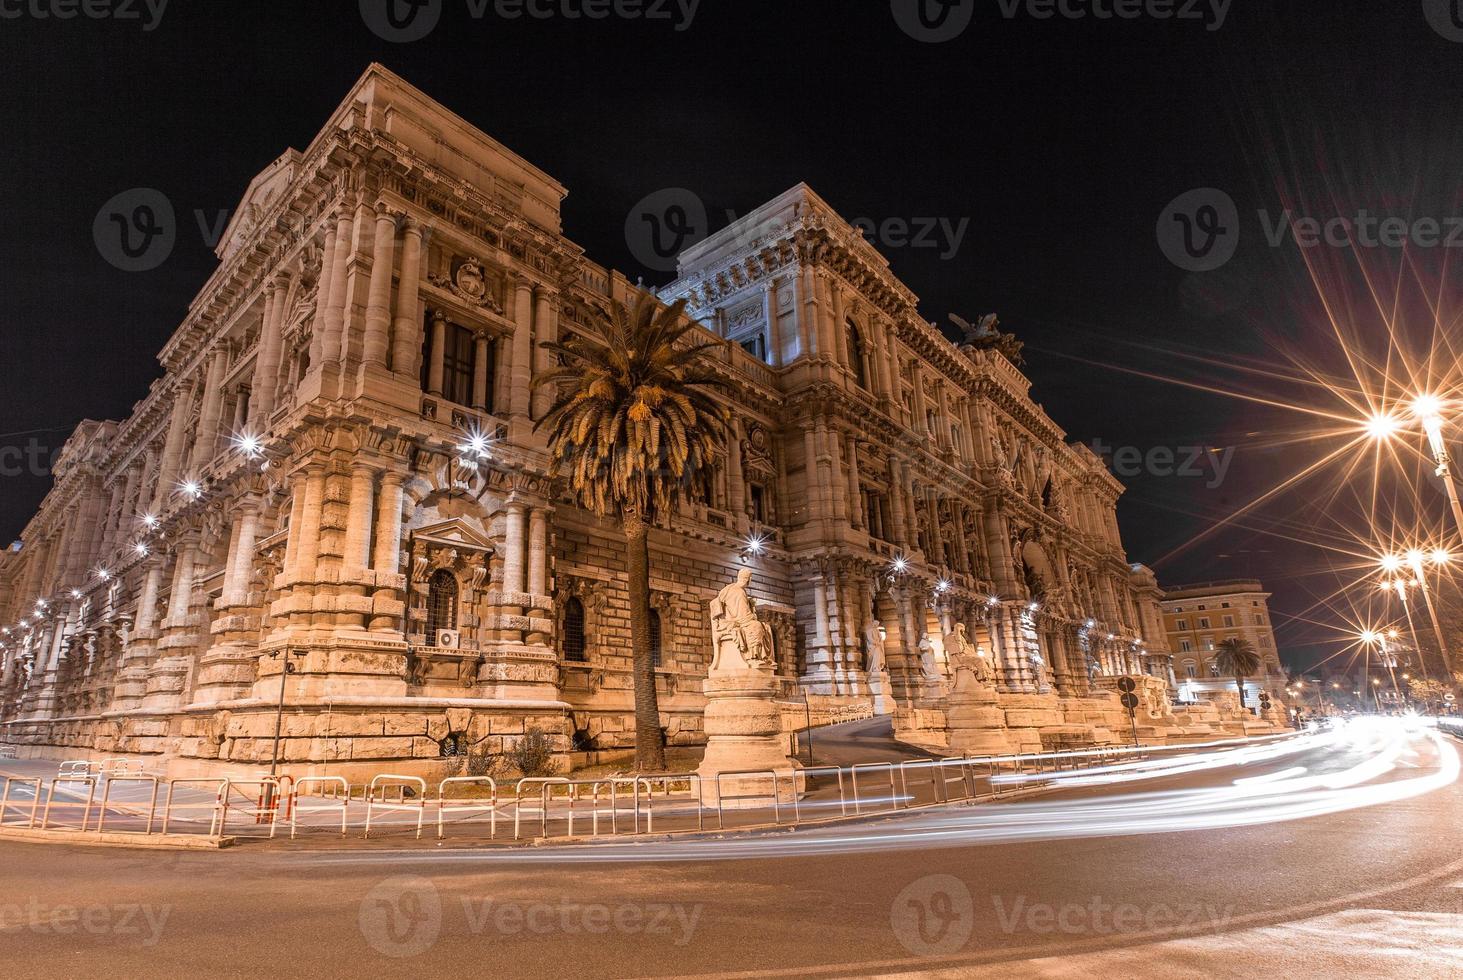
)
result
[(1129, 699), (1126, 685)]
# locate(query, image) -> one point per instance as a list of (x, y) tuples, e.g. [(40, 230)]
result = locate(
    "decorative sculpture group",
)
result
[(739, 639)]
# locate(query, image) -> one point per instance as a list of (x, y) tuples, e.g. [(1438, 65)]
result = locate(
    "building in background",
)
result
[(339, 470), (1197, 618)]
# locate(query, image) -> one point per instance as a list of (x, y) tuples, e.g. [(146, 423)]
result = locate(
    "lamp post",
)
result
[(1429, 411), (286, 669), (1401, 588), (1413, 560)]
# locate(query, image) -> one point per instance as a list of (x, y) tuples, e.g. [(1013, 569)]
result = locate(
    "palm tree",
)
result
[(632, 424), (1237, 657)]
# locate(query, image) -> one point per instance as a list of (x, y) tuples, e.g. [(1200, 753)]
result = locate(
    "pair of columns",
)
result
[(526, 550)]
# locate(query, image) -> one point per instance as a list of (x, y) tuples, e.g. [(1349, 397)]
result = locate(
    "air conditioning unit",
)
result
[(450, 639)]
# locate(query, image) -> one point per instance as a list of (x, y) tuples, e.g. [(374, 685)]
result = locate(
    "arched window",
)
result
[(655, 638), (441, 603), (856, 354), (573, 635)]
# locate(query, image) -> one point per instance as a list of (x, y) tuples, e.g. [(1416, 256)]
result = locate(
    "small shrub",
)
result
[(533, 754)]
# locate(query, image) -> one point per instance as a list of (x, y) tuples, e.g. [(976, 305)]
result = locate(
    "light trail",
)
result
[(1364, 771)]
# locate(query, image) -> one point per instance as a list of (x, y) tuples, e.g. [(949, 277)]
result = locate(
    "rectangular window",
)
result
[(1228, 620), (457, 365), (1184, 645), (1191, 670), (1203, 622), (1182, 624), (759, 503)]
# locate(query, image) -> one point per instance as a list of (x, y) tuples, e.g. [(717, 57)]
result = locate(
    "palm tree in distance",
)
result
[(1236, 657), (632, 424)]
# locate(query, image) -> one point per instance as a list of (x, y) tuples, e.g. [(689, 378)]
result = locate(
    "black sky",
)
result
[(1061, 141)]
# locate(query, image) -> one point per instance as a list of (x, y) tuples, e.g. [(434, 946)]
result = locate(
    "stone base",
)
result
[(744, 734)]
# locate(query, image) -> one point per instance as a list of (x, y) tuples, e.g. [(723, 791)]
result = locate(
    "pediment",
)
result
[(263, 191), (454, 533)]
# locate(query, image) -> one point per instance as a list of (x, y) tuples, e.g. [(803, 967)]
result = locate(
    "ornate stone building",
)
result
[(338, 476)]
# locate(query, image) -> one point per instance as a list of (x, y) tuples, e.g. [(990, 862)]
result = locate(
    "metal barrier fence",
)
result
[(543, 807)]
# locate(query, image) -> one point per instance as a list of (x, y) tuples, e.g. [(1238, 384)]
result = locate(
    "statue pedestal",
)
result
[(744, 732), (976, 722), (879, 691)]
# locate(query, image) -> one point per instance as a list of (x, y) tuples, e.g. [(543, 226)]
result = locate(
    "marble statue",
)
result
[(734, 621)]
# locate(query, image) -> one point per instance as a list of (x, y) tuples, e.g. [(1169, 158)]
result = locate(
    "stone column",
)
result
[(545, 328), (736, 483), (480, 372), (840, 325), (357, 555), (855, 508), (322, 290), (307, 552), (388, 525), (538, 551), (205, 443), (896, 505), (173, 446), (521, 370), (378, 294), (388, 608), (513, 552), (266, 367), (437, 353), (774, 323), (152, 581), (182, 594), (811, 494), (406, 346), (332, 317)]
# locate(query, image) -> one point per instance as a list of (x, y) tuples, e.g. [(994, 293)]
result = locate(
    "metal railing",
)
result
[(547, 807)]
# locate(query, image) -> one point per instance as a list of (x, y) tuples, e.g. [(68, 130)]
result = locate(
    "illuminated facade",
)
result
[(304, 486), (1197, 618)]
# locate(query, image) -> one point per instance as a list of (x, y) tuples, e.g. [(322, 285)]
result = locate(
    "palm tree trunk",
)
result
[(1239, 685), (649, 739)]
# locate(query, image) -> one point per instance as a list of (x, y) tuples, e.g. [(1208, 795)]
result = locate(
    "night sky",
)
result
[(1053, 145)]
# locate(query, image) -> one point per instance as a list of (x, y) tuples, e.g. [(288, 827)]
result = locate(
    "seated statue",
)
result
[(734, 621)]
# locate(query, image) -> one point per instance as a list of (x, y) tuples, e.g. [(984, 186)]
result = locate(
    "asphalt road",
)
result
[(1347, 867)]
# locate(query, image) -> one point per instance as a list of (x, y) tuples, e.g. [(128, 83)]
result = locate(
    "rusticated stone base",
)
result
[(744, 733)]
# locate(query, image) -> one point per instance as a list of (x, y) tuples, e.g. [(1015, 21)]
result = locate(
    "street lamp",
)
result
[(1415, 559), (286, 669), (1429, 410)]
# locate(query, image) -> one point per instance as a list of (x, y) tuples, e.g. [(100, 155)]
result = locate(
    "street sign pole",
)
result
[(1130, 701)]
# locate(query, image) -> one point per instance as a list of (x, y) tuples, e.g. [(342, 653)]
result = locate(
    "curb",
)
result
[(91, 838)]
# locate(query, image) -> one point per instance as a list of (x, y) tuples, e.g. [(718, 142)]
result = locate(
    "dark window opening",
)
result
[(457, 365), (655, 638), (441, 603), (574, 630)]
